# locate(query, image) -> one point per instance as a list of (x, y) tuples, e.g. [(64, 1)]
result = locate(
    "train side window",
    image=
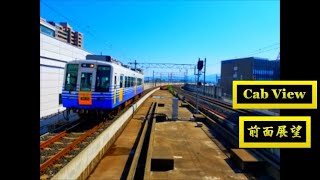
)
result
[(121, 81), (129, 81)]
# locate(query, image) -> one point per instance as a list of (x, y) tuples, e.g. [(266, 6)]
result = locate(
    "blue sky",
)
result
[(172, 32)]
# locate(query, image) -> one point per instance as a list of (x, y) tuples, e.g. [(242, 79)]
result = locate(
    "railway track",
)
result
[(220, 103), (222, 110), (228, 136), (59, 148)]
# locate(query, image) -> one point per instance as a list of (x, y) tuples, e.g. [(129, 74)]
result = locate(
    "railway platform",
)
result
[(160, 137), (113, 164), (180, 145)]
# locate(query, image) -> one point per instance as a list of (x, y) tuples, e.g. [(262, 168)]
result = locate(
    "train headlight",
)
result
[(91, 65)]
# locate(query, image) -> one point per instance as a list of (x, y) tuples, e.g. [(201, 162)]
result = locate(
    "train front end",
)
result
[(86, 86)]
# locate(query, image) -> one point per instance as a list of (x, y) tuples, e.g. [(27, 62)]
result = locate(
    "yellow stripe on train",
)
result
[(120, 94), (114, 96)]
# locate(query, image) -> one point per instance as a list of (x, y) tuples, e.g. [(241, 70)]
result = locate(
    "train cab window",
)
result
[(102, 79), (121, 81), (86, 81), (71, 77)]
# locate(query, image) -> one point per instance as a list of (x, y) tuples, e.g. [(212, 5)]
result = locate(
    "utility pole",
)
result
[(135, 64), (199, 68), (204, 76), (197, 101), (154, 83), (195, 77)]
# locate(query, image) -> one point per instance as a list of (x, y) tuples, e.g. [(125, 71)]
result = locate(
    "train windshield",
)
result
[(71, 77), (103, 78), (86, 81)]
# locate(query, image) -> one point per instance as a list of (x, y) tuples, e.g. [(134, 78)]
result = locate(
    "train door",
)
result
[(121, 88), (135, 85), (115, 89), (86, 77)]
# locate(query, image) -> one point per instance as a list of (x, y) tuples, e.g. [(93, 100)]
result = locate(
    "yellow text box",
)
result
[(306, 144), (275, 105)]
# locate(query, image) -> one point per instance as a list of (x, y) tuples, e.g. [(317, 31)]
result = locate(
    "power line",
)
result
[(265, 51), (266, 47), (163, 65), (69, 20), (85, 30)]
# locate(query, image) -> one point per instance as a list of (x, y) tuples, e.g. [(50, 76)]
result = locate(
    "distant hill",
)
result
[(211, 77)]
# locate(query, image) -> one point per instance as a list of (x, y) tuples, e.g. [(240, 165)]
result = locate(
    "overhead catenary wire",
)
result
[(265, 47), (258, 51), (68, 19), (264, 51), (85, 30)]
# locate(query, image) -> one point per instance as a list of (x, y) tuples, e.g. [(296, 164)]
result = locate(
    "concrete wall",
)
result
[(53, 56), (212, 91), (151, 85)]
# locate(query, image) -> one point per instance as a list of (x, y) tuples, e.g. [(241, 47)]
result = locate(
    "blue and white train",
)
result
[(100, 84)]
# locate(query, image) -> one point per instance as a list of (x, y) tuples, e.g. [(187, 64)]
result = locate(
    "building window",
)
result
[(47, 31), (60, 98), (235, 75)]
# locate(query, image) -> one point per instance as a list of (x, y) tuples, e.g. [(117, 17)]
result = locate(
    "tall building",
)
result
[(62, 32), (250, 68), (73, 37)]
